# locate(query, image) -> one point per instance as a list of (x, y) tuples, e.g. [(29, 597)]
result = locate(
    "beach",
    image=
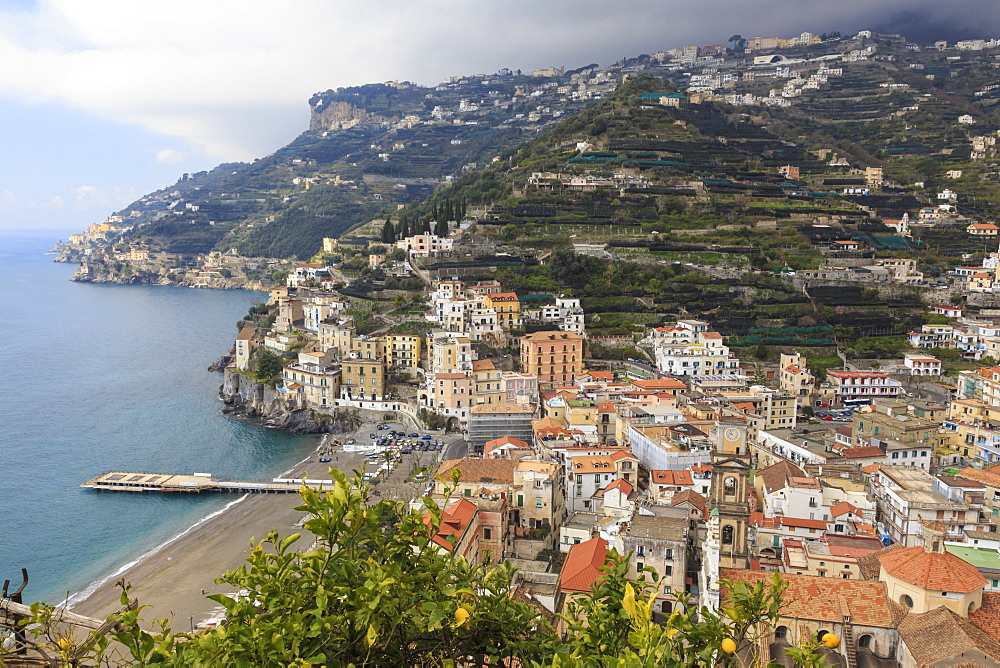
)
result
[(171, 580)]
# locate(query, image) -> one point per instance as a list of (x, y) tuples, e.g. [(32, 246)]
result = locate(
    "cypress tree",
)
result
[(441, 228)]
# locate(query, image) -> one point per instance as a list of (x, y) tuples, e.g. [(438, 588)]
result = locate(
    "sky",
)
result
[(103, 101)]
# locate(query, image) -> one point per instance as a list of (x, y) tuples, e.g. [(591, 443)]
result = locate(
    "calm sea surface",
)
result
[(101, 377)]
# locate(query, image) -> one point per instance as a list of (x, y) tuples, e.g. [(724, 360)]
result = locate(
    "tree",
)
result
[(376, 589), (739, 44), (388, 233), (441, 228), (269, 364)]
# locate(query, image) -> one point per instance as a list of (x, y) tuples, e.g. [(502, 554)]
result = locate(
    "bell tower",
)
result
[(730, 494)]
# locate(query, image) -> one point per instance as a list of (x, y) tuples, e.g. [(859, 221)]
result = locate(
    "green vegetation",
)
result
[(376, 590)]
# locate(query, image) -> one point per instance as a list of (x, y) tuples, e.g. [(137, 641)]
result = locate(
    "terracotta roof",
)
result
[(552, 336), (845, 430), (624, 485), (842, 509), (825, 599), (605, 407), (865, 452), (602, 375), (984, 476), (660, 384), (455, 521), (775, 476), (802, 523), (246, 333), (932, 571), (941, 634), (667, 477), (869, 565), (701, 468), (483, 365), (692, 497), (593, 464), (623, 454), (757, 519), (579, 571), (505, 440), (480, 470), (987, 615)]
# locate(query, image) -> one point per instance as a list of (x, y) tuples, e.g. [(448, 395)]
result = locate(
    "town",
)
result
[(700, 344)]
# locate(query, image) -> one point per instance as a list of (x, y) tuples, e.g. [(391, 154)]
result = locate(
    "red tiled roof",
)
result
[(757, 519), (660, 384), (454, 521), (932, 570), (825, 599), (985, 476), (668, 477), (606, 407), (987, 615), (621, 483), (602, 375), (842, 509), (941, 637), (864, 452), (692, 497), (479, 470), (802, 523), (579, 571)]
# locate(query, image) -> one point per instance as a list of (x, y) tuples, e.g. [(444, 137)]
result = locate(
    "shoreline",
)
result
[(174, 577)]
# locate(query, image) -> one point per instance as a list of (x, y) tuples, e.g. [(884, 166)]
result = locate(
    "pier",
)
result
[(196, 483)]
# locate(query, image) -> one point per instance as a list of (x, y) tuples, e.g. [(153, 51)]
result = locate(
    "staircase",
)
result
[(850, 650)]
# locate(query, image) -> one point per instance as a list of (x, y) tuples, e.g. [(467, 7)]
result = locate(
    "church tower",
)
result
[(730, 495)]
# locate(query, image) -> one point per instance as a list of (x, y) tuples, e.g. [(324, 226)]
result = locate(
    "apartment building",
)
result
[(553, 357)]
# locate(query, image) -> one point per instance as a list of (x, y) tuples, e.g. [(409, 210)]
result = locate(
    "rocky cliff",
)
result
[(340, 116), (253, 399), (127, 274)]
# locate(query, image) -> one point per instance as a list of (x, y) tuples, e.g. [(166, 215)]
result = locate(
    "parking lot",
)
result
[(393, 462)]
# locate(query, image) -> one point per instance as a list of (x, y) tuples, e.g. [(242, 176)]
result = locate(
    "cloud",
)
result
[(54, 203), (169, 156), (232, 77), (84, 193)]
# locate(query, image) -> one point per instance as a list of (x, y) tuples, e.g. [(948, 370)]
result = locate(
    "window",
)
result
[(520, 499), (468, 491), (668, 570), (538, 503), (639, 565), (669, 553), (487, 533)]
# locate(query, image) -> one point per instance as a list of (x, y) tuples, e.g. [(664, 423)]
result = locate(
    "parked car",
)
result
[(414, 435), (426, 438), (350, 442), (371, 435)]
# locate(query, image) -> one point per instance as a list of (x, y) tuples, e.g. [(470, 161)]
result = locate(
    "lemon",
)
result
[(829, 640), (461, 616), (729, 646)]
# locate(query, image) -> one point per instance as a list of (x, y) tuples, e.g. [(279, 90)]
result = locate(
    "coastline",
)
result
[(174, 578)]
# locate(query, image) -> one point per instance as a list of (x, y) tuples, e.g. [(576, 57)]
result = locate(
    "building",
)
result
[(244, 347), (794, 377), (451, 394), (538, 500), (861, 386), (491, 421), (922, 365), (906, 439), (362, 379), (488, 388), (507, 307), (553, 357), (660, 543), (316, 384), (905, 496)]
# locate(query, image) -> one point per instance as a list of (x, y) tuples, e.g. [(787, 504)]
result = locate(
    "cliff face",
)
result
[(128, 275), (339, 116), (245, 395)]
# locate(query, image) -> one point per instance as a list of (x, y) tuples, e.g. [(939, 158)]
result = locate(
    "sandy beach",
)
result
[(171, 581)]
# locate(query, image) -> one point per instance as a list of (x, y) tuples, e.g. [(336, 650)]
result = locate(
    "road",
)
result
[(456, 449)]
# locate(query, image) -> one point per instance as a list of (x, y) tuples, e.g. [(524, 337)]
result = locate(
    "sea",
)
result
[(100, 377)]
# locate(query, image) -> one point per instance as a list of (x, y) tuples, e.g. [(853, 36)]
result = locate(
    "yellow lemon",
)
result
[(64, 644), (461, 616), (830, 640), (729, 646)]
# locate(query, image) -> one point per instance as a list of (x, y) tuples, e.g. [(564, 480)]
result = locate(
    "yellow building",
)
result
[(554, 357), (362, 379), (487, 378), (507, 307), (403, 350)]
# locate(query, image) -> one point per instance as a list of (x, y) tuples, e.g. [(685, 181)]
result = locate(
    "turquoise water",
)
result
[(101, 377)]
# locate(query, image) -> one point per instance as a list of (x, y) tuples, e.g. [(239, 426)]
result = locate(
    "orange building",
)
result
[(554, 357)]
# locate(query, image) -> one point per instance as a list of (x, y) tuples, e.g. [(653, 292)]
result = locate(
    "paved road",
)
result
[(456, 449)]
